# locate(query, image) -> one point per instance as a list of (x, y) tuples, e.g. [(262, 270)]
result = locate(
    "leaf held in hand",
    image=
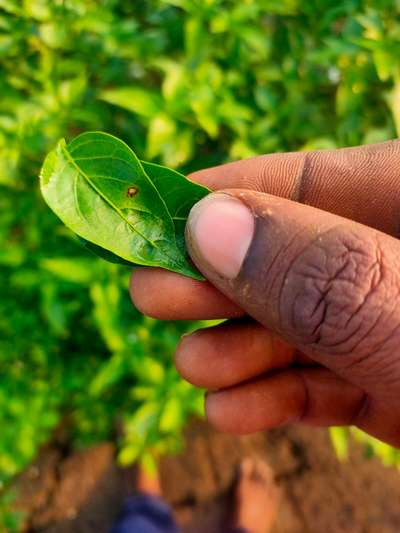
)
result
[(126, 210)]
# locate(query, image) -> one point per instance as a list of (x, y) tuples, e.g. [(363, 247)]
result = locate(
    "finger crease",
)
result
[(302, 177), (306, 402), (361, 411)]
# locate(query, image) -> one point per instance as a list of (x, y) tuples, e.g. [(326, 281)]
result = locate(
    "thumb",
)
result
[(324, 283)]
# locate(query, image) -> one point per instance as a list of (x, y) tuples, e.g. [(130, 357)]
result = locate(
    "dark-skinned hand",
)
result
[(300, 251)]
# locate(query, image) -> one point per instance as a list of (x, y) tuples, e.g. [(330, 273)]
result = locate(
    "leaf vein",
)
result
[(110, 203)]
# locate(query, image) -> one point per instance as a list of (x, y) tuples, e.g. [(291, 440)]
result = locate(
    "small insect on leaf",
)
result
[(132, 191)]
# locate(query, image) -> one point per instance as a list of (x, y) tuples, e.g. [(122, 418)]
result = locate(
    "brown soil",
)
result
[(83, 492)]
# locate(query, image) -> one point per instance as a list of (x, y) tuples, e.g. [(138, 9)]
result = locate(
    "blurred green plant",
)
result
[(341, 437), (188, 83), (11, 520)]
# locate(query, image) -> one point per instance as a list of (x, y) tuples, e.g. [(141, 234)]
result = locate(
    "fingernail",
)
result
[(219, 232)]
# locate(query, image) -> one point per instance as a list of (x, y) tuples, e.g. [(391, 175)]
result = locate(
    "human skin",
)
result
[(300, 251)]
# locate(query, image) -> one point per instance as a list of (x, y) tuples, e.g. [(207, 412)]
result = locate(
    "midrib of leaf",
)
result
[(109, 202), (76, 195), (91, 158)]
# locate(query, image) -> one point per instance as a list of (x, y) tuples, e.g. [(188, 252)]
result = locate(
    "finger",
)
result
[(358, 183), (167, 296), (233, 352), (326, 285), (378, 418), (312, 396)]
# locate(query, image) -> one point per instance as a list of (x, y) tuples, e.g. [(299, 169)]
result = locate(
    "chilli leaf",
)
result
[(122, 209), (103, 253), (178, 193)]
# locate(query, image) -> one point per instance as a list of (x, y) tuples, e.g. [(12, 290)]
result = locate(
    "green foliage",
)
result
[(11, 520), (188, 83), (102, 192), (340, 437)]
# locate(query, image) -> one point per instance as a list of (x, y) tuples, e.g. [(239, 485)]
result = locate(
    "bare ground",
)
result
[(83, 492)]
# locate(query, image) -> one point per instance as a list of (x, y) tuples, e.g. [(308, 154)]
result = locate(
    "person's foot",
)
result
[(148, 483), (256, 497), (137, 480)]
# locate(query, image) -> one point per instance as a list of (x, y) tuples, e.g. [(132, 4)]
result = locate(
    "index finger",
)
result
[(361, 183)]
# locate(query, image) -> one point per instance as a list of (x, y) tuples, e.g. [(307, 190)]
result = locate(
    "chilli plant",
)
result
[(186, 84)]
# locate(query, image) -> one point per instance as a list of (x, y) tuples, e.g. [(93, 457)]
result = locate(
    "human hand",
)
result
[(316, 296)]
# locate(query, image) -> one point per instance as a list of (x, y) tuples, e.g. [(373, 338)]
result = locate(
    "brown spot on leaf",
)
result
[(132, 191)]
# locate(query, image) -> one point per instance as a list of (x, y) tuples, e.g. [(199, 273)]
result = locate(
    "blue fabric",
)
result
[(145, 514), (148, 514)]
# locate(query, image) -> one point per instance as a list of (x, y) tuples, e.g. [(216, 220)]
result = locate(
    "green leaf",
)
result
[(104, 254), (75, 270), (394, 102), (108, 375), (143, 419), (135, 99), (340, 440), (179, 194), (149, 464), (129, 454), (99, 189), (162, 132), (172, 416), (149, 370), (384, 63), (11, 6)]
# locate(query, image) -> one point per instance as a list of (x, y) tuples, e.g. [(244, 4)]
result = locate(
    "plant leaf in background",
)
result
[(141, 101), (100, 190)]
